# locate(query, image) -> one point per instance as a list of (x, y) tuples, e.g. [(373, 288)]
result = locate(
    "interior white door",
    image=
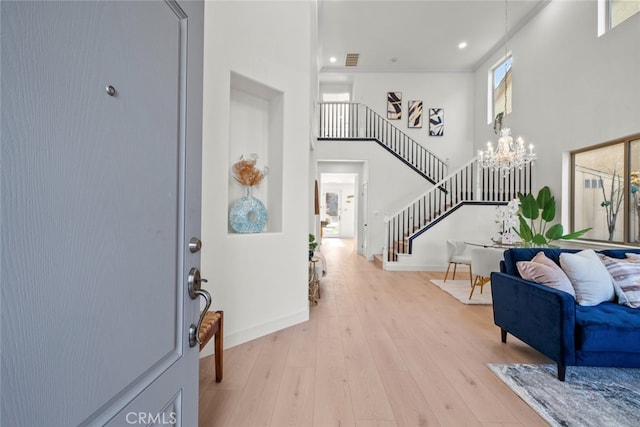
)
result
[(100, 164), (348, 210)]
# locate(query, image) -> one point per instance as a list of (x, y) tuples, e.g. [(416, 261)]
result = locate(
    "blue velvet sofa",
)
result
[(553, 323)]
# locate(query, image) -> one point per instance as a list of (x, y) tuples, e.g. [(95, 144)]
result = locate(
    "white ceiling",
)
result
[(422, 35)]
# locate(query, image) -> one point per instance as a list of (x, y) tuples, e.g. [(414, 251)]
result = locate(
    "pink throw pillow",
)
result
[(544, 271)]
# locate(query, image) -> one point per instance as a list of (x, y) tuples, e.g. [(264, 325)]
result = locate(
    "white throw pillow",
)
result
[(633, 256), (590, 278)]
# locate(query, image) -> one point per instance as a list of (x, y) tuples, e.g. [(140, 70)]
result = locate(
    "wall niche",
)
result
[(256, 122)]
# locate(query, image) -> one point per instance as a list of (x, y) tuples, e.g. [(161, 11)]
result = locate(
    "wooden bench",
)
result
[(212, 327)]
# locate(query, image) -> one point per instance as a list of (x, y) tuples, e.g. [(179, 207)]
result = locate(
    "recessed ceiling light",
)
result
[(332, 59), (462, 45)]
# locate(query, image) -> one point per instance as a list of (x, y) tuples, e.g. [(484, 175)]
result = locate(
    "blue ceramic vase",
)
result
[(248, 214)]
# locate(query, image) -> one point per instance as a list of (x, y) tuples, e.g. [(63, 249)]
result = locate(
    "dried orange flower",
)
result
[(246, 172)]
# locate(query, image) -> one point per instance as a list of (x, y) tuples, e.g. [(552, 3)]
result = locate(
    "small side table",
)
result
[(314, 282)]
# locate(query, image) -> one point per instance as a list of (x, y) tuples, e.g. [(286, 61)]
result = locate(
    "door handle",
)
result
[(195, 282)]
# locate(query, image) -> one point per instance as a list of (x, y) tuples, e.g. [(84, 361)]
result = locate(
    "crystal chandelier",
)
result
[(508, 154)]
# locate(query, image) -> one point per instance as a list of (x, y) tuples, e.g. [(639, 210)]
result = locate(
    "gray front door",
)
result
[(100, 193)]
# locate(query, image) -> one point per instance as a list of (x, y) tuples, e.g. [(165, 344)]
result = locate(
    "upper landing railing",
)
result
[(353, 121)]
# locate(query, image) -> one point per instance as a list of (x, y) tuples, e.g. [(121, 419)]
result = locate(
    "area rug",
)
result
[(460, 290), (595, 397)]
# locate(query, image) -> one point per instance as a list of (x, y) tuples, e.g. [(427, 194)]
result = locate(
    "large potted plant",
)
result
[(535, 216)]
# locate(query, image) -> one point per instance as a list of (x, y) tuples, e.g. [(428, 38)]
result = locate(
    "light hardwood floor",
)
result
[(380, 349)]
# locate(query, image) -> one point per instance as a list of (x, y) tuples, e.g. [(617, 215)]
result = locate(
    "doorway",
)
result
[(338, 204)]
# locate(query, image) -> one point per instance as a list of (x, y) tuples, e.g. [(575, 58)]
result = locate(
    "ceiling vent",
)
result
[(351, 59)]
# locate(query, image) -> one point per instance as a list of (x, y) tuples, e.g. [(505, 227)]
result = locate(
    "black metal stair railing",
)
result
[(353, 121), (496, 187), (467, 185)]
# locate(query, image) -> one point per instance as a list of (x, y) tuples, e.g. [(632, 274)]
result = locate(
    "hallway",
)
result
[(380, 349)]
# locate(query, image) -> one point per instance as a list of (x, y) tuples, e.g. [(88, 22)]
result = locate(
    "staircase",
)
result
[(467, 185), (353, 121)]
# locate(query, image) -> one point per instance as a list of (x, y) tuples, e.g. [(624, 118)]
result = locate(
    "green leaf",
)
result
[(555, 232), (525, 231), (544, 195), (549, 210), (574, 235), (539, 239), (605, 203), (529, 206)]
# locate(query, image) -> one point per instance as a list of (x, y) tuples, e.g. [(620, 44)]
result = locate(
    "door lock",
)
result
[(195, 245)]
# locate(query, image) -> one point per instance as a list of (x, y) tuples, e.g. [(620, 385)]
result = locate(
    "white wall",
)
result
[(571, 89), (451, 91), (259, 280), (469, 223)]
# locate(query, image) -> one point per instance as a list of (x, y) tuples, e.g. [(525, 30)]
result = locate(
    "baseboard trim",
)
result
[(240, 337), (395, 266)]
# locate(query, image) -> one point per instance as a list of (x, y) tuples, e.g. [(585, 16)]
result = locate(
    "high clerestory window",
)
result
[(606, 191), (500, 86), (613, 12), (620, 10)]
